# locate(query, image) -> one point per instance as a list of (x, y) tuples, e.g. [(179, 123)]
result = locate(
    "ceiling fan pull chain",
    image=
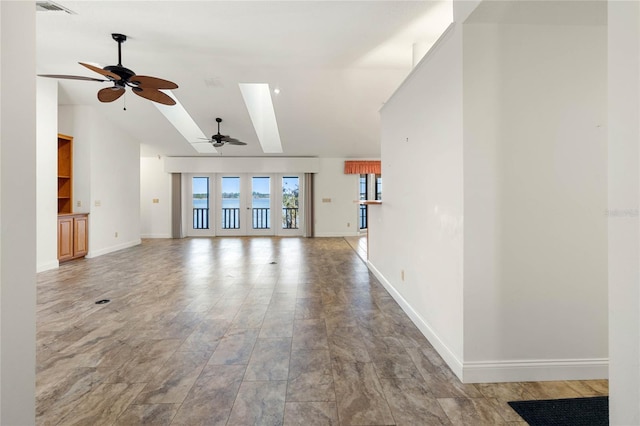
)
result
[(124, 99)]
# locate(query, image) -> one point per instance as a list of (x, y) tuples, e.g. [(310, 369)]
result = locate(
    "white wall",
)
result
[(624, 242), (155, 183), (17, 213), (47, 173), (528, 174), (535, 184), (339, 216), (418, 228), (106, 178)]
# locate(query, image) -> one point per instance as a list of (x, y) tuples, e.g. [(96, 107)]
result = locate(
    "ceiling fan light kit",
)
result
[(122, 77), (219, 139)]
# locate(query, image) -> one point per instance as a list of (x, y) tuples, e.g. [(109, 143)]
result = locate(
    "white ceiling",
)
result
[(335, 63)]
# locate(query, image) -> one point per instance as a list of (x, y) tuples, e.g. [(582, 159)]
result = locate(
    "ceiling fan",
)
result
[(121, 77), (218, 139)]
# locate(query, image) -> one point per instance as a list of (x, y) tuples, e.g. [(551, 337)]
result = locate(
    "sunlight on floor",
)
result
[(359, 245)]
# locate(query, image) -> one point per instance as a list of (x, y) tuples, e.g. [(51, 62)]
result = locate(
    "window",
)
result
[(378, 187), (290, 201), (364, 195), (230, 202), (260, 202), (200, 202)]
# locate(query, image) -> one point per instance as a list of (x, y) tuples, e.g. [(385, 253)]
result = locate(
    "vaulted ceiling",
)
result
[(334, 63)]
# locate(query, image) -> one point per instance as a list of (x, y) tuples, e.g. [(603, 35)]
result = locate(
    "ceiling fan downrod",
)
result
[(119, 38)]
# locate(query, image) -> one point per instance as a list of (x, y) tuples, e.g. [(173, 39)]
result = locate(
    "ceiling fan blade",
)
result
[(110, 94), (109, 75), (236, 142), (147, 82), (71, 77), (218, 144), (154, 95)]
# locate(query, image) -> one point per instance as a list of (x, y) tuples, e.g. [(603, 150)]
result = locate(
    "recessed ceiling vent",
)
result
[(49, 6), (213, 82)]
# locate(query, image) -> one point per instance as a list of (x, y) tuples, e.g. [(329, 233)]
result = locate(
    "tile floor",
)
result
[(213, 332)]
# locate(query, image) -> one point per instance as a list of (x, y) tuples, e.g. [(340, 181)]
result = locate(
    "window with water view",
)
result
[(200, 202)]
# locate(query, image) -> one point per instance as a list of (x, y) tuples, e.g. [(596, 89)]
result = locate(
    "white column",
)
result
[(17, 212), (624, 236)]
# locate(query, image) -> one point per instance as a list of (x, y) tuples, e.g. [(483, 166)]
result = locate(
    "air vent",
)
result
[(49, 6), (213, 82)]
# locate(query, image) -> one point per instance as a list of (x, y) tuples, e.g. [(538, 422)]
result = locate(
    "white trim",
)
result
[(501, 371), (447, 355), (48, 266), (336, 234), (111, 249), (535, 370), (155, 236)]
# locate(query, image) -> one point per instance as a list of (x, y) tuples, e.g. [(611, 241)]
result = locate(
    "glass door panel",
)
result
[(290, 202), (230, 206), (200, 202), (261, 202)]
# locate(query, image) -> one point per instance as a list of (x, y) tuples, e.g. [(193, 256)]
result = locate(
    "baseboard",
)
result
[(335, 234), (155, 236), (535, 370), (107, 250), (447, 355), (501, 371), (54, 264)]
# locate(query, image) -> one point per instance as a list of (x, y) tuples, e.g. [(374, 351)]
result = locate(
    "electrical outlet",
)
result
[(79, 203), (116, 234), (348, 224), (402, 274), (156, 201), (98, 203)]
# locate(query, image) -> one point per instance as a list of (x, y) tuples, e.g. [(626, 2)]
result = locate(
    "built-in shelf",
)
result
[(65, 173)]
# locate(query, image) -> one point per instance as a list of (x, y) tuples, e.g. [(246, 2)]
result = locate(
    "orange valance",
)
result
[(362, 167)]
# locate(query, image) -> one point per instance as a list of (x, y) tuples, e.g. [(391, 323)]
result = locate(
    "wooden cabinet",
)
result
[(73, 228), (72, 236), (65, 174)]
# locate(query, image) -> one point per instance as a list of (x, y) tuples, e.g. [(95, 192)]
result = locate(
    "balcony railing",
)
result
[(231, 218), (363, 216), (260, 218), (290, 218), (200, 218)]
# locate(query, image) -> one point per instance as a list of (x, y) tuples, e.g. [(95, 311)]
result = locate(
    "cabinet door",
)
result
[(65, 238), (80, 240)]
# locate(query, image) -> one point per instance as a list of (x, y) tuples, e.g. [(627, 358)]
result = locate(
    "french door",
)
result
[(245, 204)]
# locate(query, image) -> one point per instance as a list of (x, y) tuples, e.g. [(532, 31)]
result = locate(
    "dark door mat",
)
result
[(593, 411)]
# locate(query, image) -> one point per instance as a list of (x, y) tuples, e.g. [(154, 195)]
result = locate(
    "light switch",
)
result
[(156, 200), (326, 200), (97, 203)]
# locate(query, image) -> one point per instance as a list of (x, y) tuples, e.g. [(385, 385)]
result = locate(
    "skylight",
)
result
[(257, 98), (182, 121)]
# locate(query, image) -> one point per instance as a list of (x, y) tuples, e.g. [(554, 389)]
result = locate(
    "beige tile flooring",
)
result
[(211, 331)]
